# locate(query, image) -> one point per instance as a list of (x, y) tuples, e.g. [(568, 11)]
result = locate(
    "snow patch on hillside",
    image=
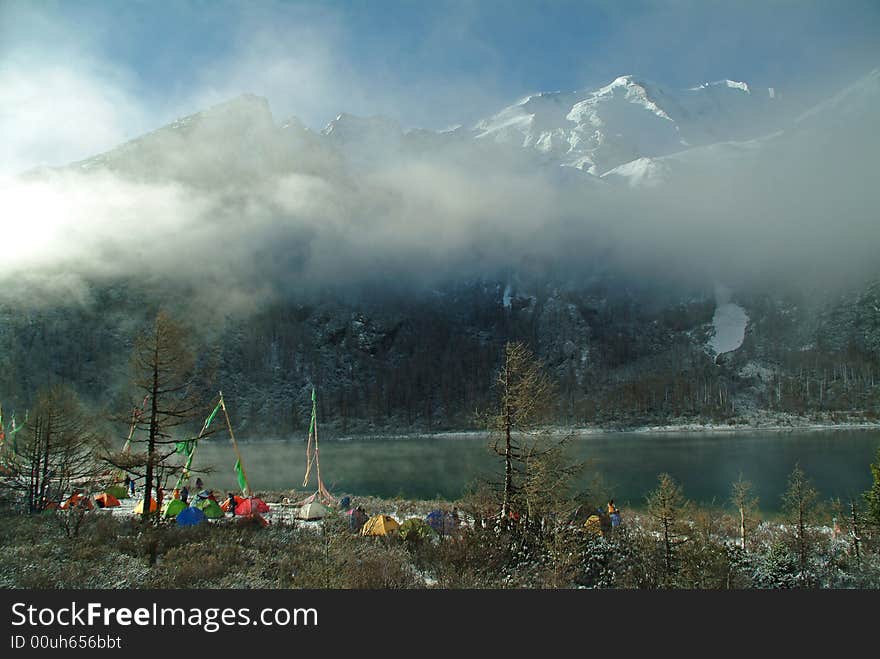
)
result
[(642, 172), (729, 323)]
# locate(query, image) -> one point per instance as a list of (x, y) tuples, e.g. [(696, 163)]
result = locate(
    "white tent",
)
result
[(312, 510)]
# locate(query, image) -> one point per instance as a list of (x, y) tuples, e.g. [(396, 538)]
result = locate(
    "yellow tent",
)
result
[(139, 509), (380, 525), (594, 524)]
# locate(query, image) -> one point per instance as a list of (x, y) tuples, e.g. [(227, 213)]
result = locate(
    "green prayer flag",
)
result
[(211, 418), (242, 483), (188, 446), (185, 473)]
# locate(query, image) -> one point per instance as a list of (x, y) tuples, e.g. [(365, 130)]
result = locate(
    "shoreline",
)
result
[(684, 428)]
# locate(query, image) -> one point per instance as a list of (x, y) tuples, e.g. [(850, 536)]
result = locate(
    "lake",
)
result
[(836, 461)]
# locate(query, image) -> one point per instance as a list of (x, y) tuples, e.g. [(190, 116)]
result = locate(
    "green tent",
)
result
[(118, 491), (416, 530), (173, 508), (210, 507)]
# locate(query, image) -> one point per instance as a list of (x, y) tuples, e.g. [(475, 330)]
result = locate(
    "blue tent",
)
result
[(190, 516), (442, 521)]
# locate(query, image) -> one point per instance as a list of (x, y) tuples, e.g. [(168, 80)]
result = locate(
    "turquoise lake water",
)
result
[(837, 462)]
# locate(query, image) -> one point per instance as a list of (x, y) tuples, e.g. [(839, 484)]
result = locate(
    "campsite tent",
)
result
[(255, 520), (251, 506), (598, 523), (415, 530), (173, 508), (118, 491), (442, 521), (78, 500), (356, 519), (380, 525), (190, 516), (226, 505), (319, 496), (106, 500), (210, 507), (139, 509), (312, 510)]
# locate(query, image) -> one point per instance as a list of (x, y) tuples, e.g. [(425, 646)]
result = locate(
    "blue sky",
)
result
[(77, 77)]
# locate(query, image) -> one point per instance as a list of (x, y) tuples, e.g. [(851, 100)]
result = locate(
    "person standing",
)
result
[(614, 514)]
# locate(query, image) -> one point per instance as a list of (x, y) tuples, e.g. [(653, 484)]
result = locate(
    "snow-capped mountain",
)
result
[(628, 132), (826, 129), (628, 119)]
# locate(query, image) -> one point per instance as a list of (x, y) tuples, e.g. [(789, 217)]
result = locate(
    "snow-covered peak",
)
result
[(622, 81), (243, 110), (730, 84), (633, 92), (349, 126), (624, 120)]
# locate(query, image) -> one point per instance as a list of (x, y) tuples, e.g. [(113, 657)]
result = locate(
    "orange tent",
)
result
[(139, 509), (106, 500), (236, 501), (77, 500)]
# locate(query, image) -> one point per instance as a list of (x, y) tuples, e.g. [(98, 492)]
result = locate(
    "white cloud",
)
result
[(52, 114)]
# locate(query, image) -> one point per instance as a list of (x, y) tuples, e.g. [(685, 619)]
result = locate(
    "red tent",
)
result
[(252, 520), (251, 506), (236, 501)]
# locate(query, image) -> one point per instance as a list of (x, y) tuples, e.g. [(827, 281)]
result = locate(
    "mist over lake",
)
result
[(426, 467)]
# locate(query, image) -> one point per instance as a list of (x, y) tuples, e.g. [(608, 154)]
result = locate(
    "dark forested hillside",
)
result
[(621, 356)]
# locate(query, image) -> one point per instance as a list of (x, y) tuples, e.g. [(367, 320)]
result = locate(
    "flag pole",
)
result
[(235, 446), (317, 452), (192, 452), (313, 424)]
